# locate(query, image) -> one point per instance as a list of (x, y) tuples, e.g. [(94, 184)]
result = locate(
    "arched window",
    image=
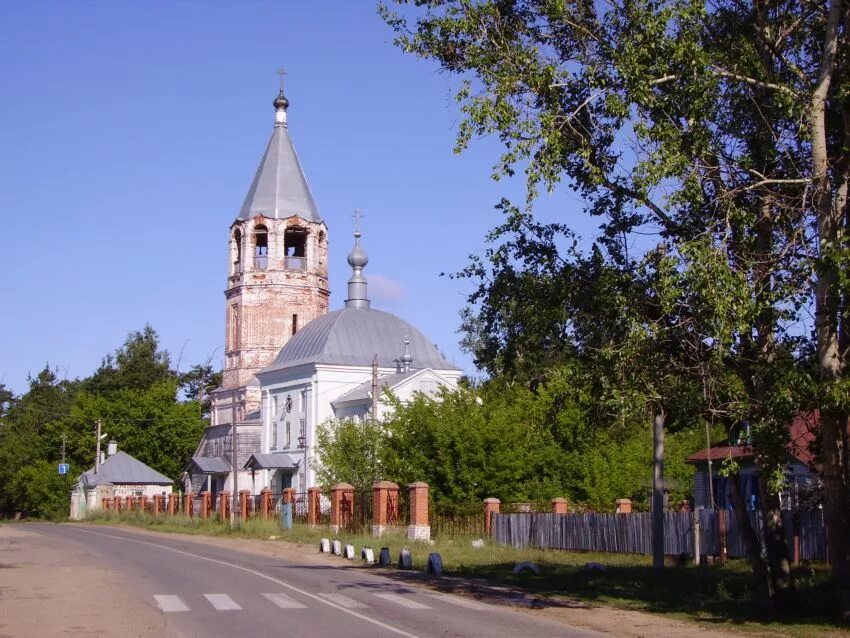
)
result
[(236, 252), (295, 247), (261, 247)]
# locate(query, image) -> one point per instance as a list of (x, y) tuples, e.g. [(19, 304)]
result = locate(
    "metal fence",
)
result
[(632, 533)]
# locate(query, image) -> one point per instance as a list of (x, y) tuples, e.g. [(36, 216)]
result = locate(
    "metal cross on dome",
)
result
[(357, 215), (281, 72)]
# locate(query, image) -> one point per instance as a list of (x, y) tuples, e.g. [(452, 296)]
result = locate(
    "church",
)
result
[(289, 363)]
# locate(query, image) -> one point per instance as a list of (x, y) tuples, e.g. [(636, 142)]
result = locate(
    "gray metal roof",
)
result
[(211, 464), (363, 391), (121, 468), (279, 189), (353, 336), (275, 461)]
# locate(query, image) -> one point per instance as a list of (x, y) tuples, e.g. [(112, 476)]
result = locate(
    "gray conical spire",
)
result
[(279, 189), (357, 259)]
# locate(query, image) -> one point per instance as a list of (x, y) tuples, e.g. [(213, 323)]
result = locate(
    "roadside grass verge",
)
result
[(714, 596)]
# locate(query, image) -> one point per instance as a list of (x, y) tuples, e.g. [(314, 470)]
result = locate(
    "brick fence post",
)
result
[(265, 502), (342, 505), (419, 529), (624, 506), (314, 502), (223, 506), (156, 504), (143, 503), (560, 505), (172, 504), (118, 503), (384, 506), (205, 504), (244, 499), (491, 506), (188, 502), (104, 503)]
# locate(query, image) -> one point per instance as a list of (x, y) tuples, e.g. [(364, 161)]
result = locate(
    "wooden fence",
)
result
[(632, 533)]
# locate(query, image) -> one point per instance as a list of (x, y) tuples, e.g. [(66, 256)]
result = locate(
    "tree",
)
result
[(198, 383), (349, 451), (138, 364), (723, 129)]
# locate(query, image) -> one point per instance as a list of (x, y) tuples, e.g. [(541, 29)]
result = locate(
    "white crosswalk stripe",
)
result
[(222, 602), (284, 602), (169, 604), (403, 601), (460, 601), (344, 601)]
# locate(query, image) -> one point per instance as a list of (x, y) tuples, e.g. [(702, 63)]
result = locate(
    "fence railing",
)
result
[(632, 533)]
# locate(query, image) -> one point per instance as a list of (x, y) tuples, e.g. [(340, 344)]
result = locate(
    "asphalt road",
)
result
[(202, 590)]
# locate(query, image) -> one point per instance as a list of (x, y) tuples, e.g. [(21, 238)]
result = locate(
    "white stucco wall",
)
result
[(321, 385)]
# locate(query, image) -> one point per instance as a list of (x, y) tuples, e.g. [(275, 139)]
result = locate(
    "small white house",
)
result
[(118, 475)]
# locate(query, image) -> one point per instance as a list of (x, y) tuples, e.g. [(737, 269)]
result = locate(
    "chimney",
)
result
[(111, 448)]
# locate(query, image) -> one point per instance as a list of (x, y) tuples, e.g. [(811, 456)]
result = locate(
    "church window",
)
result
[(288, 434), (274, 436), (275, 406), (234, 326), (294, 248), (303, 402), (236, 252), (294, 324), (261, 247)]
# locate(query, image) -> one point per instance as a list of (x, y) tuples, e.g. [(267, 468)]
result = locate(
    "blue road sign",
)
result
[(63, 468)]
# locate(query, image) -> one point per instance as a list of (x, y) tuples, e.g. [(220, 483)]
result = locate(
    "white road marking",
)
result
[(363, 617), (170, 604), (222, 602), (284, 602), (344, 601), (401, 600), (460, 601)]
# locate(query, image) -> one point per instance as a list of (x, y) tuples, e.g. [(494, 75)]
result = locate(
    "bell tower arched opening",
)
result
[(295, 248), (261, 247)]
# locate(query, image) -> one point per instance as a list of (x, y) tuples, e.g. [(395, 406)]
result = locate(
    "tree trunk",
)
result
[(752, 545), (776, 542), (658, 489), (827, 300)]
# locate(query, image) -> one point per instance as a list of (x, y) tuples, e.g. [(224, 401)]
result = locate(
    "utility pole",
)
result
[(234, 445), (375, 389), (658, 489), (97, 452), (63, 448)]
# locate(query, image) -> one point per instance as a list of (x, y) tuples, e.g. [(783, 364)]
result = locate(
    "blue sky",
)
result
[(129, 134)]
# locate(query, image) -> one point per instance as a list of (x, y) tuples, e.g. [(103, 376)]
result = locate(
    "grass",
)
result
[(713, 595)]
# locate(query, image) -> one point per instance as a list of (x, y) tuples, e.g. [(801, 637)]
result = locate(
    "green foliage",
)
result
[(349, 452), (39, 491), (134, 395), (506, 441)]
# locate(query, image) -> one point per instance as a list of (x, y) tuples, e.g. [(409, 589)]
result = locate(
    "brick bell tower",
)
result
[(277, 272)]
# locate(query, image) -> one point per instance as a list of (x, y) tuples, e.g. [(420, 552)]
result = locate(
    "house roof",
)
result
[(279, 189), (363, 392), (275, 461), (211, 464), (122, 469), (801, 432)]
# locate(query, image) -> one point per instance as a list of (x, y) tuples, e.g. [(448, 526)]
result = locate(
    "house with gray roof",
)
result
[(118, 475)]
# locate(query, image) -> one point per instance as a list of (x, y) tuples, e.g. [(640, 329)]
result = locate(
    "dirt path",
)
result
[(622, 623), (48, 590)]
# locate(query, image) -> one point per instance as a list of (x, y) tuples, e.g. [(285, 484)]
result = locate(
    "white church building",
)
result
[(290, 365)]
